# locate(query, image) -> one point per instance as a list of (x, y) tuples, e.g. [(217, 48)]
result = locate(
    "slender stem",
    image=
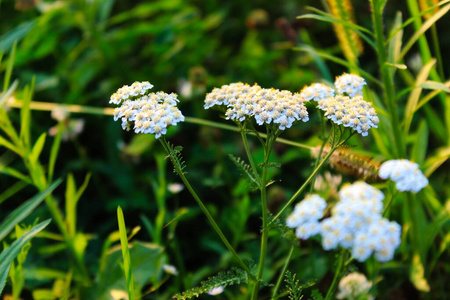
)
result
[(202, 206), (386, 209), (310, 178), (249, 155), (337, 276), (280, 278), (48, 106), (265, 229), (302, 188), (320, 152)]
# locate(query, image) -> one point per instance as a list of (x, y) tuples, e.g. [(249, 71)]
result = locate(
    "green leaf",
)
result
[(24, 210), (420, 145), (245, 169), (324, 16), (148, 260), (428, 23), (329, 18), (5, 96), (14, 173), (37, 148), (417, 274), (9, 67), (434, 85), (415, 94), (435, 161), (125, 253), (397, 66), (395, 45), (54, 153), (339, 61), (7, 40), (8, 255)]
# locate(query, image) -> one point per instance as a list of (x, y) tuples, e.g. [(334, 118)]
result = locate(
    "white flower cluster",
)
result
[(349, 83), (316, 92), (406, 174), (350, 112), (152, 113), (265, 105), (306, 215), (348, 107), (356, 223), (354, 286), (126, 92)]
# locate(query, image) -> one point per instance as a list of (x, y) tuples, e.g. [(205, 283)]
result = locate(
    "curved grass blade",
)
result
[(8, 255), (442, 12), (24, 210), (125, 254), (339, 61)]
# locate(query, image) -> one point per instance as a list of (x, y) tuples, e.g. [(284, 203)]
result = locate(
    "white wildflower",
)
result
[(350, 112), (152, 113), (175, 188), (267, 106), (309, 209), (126, 92), (354, 286), (350, 83), (406, 175), (170, 270), (316, 92)]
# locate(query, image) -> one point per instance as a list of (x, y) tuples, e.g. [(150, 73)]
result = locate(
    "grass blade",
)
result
[(24, 210), (8, 255), (125, 254), (339, 61), (415, 94), (442, 12)]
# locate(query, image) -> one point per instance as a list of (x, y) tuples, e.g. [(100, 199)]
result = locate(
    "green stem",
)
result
[(337, 276), (303, 187), (265, 228), (320, 152), (280, 278), (389, 92), (208, 215), (249, 155), (310, 178)]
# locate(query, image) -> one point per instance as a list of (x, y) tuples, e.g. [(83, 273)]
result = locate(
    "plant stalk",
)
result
[(203, 207)]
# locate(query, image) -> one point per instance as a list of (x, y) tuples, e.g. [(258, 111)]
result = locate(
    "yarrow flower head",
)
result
[(126, 92), (306, 215), (354, 286), (356, 223), (350, 112), (316, 92), (406, 175), (146, 113), (267, 106), (350, 83)]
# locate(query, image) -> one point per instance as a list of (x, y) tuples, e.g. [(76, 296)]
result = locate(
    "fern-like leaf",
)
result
[(175, 152), (293, 286), (245, 169), (270, 165), (230, 277)]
